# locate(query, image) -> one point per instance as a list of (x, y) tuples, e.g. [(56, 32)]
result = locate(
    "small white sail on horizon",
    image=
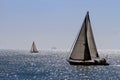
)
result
[(33, 48)]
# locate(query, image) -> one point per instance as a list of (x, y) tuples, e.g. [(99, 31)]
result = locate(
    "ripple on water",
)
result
[(20, 65)]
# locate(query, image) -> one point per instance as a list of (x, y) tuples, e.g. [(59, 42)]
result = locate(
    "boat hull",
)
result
[(34, 51), (88, 62)]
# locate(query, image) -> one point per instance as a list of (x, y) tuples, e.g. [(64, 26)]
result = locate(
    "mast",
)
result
[(84, 48)]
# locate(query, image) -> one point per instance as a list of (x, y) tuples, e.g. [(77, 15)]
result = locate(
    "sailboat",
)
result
[(84, 51), (33, 48)]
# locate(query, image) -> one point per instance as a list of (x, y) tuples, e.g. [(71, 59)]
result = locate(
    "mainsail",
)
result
[(84, 47), (33, 48)]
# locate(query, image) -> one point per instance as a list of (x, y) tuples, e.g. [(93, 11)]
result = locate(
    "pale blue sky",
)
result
[(56, 23)]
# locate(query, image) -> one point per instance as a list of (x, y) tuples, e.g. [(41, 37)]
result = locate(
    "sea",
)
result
[(52, 65)]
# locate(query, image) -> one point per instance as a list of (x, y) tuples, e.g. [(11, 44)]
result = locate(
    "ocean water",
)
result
[(52, 65)]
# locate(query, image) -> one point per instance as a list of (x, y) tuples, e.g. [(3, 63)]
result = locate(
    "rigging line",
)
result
[(73, 44)]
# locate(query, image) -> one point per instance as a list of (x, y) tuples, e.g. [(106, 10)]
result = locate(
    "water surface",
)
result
[(52, 65)]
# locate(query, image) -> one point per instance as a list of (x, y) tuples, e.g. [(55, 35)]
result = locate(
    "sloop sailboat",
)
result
[(33, 48), (84, 51)]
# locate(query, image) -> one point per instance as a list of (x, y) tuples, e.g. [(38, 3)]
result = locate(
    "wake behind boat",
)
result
[(33, 48), (84, 51)]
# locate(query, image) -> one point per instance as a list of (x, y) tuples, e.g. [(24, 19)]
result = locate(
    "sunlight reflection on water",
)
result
[(22, 65)]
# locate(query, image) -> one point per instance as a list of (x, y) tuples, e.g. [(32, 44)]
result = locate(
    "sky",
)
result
[(55, 23)]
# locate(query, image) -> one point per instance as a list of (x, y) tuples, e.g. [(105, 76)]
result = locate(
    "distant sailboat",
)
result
[(33, 48), (84, 51)]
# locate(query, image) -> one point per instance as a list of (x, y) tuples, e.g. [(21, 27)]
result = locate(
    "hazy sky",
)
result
[(55, 23)]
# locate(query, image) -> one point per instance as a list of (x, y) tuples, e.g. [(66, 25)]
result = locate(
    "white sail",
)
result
[(33, 48), (91, 41), (84, 48)]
